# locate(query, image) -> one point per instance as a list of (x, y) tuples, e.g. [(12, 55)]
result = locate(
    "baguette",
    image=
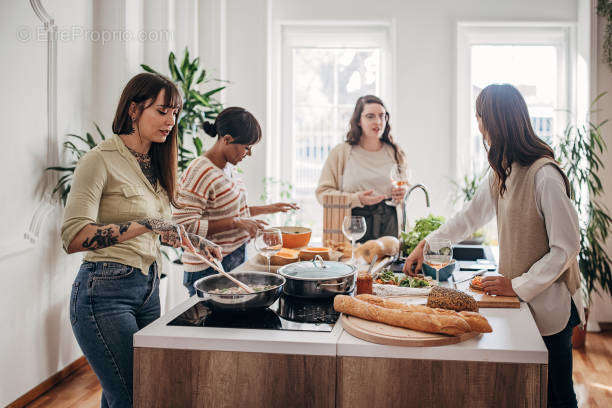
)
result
[(476, 321), (425, 322)]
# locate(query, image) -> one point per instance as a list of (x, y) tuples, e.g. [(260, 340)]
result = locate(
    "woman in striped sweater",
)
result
[(214, 198)]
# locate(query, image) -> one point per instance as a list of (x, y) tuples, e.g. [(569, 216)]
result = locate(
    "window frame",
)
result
[(285, 35), (562, 35)]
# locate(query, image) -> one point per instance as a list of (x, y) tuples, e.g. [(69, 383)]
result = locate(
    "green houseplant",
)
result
[(579, 151), (197, 106), (77, 146)]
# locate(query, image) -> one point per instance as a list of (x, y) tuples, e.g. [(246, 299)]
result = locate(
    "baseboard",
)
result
[(49, 383), (605, 326)]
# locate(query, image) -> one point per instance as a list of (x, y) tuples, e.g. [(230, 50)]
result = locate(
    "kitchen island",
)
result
[(212, 366)]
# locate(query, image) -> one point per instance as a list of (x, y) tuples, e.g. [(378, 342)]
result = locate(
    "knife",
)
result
[(478, 273)]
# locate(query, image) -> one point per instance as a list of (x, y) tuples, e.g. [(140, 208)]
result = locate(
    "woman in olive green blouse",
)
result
[(118, 211)]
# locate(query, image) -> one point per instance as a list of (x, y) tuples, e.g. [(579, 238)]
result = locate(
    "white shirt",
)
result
[(366, 170), (548, 299)]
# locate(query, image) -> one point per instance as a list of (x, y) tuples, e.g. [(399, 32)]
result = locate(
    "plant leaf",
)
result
[(148, 68), (214, 91)]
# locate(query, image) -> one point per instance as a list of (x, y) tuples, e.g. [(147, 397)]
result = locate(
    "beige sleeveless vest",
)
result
[(523, 239)]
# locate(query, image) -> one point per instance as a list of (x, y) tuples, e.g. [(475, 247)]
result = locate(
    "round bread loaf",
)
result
[(447, 298)]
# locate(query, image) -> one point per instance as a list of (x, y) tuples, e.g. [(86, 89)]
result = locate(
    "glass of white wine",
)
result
[(437, 253), (398, 179), (268, 242), (353, 228)]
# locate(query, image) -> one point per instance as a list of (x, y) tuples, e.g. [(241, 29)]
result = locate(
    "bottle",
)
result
[(364, 283)]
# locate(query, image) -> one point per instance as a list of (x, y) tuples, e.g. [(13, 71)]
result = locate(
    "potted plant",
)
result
[(62, 188), (579, 152), (197, 106)]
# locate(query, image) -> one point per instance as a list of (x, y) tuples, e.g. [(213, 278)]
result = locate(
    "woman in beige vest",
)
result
[(537, 227), (360, 168)]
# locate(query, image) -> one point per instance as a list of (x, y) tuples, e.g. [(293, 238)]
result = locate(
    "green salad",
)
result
[(387, 277)]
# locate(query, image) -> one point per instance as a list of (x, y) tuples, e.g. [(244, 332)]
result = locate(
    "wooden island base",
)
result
[(192, 378), (438, 383)]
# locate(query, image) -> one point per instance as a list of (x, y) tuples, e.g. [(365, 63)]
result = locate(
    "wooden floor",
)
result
[(592, 380)]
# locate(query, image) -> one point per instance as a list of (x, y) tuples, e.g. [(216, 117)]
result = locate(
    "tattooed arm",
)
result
[(98, 236)]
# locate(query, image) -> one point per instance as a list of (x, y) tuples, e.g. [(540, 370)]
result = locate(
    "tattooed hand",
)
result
[(203, 246), (170, 234)]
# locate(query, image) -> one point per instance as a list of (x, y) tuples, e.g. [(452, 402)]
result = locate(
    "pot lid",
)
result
[(316, 269)]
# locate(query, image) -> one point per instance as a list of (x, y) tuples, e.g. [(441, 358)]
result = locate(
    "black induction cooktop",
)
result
[(287, 313)]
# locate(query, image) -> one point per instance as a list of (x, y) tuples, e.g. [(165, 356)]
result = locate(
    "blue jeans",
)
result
[(230, 262), (109, 303)]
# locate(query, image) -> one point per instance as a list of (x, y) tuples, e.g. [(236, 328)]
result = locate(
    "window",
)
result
[(533, 59), (324, 70)]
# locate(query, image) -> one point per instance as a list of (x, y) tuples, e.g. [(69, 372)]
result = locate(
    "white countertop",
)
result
[(159, 335), (515, 339)]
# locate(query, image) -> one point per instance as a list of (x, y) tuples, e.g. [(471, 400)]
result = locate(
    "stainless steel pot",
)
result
[(240, 302), (318, 278)]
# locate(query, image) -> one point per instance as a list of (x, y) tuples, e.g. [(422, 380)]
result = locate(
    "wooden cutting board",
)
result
[(490, 301), (484, 301), (381, 333)]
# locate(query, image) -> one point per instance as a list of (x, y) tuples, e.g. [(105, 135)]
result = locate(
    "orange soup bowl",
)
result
[(295, 237)]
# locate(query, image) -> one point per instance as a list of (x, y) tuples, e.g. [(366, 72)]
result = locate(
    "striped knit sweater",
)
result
[(209, 193)]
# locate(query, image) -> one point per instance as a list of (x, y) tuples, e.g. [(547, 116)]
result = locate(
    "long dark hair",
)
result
[(237, 122), (505, 119), (143, 89), (354, 134)]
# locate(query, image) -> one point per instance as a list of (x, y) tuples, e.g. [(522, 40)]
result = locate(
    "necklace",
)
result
[(146, 165)]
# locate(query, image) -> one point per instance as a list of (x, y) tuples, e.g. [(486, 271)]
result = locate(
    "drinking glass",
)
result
[(437, 253), (353, 228), (268, 242), (398, 179)]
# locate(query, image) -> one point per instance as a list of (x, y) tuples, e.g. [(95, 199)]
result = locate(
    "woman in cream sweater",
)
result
[(360, 167), (537, 226)]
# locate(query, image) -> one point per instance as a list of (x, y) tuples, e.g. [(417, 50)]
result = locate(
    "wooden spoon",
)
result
[(219, 268)]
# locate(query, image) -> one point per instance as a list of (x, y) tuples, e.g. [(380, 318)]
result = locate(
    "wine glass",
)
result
[(353, 228), (268, 242), (398, 179), (437, 253)]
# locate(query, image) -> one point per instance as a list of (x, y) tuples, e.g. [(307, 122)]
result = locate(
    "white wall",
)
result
[(423, 121), (36, 339)]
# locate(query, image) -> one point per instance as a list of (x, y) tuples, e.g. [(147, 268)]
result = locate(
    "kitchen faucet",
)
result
[(405, 201)]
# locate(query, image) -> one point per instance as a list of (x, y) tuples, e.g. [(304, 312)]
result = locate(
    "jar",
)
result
[(364, 283)]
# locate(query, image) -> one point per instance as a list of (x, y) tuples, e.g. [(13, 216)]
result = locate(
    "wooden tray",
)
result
[(489, 301), (381, 333)]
